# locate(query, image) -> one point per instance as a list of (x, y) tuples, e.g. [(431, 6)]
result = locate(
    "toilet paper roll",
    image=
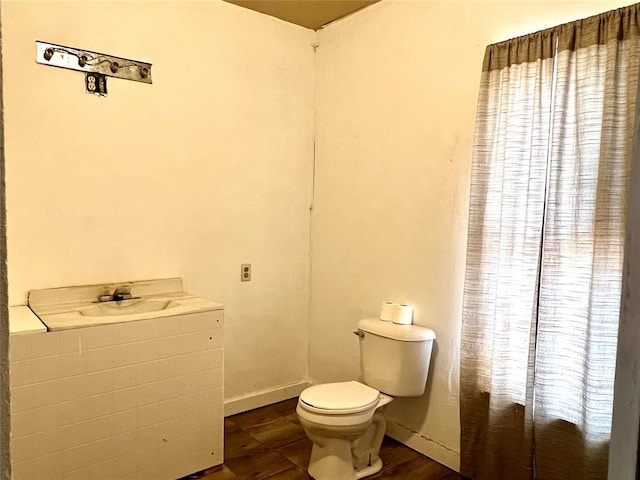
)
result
[(386, 311), (402, 315)]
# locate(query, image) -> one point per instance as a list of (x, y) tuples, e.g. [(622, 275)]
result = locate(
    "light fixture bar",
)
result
[(88, 61)]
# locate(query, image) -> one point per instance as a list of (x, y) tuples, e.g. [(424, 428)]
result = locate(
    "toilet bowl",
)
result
[(344, 420), (346, 428)]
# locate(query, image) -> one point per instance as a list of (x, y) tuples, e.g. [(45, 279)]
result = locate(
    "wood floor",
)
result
[(269, 443)]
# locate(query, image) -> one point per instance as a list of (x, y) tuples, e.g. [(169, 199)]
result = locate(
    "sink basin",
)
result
[(63, 308), (125, 307)]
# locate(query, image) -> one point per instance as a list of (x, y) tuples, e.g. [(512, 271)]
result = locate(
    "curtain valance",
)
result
[(620, 24)]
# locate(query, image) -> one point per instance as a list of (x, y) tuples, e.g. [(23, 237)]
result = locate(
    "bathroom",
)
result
[(336, 162)]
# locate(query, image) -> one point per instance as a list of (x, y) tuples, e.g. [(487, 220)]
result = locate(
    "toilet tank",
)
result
[(395, 358)]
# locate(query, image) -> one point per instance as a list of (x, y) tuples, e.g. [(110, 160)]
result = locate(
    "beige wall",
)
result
[(207, 168), (396, 88)]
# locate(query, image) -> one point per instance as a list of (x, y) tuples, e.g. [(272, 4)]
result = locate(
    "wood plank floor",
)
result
[(269, 443)]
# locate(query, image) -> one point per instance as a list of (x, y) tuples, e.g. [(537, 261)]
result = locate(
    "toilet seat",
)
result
[(341, 398)]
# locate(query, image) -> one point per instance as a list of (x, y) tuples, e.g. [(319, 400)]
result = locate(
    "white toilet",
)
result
[(343, 420)]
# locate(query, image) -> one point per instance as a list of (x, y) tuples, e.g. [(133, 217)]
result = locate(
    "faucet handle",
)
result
[(122, 292), (105, 296)]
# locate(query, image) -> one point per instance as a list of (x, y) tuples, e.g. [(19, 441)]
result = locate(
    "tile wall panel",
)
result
[(133, 400)]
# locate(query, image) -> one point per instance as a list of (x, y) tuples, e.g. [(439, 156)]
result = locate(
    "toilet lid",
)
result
[(341, 396)]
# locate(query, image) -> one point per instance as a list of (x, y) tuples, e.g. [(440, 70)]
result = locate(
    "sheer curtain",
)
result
[(550, 177)]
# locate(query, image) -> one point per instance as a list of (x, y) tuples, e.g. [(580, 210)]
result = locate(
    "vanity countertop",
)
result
[(75, 307), (23, 320)]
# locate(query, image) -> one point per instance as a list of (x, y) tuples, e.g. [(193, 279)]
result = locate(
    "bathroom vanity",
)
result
[(114, 389)]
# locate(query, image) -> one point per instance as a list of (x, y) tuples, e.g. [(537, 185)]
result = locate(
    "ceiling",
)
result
[(307, 13)]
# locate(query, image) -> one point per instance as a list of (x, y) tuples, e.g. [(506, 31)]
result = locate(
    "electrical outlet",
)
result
[(245, 272)]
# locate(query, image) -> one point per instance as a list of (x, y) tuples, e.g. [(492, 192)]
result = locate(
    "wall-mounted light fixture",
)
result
[(87, 61)]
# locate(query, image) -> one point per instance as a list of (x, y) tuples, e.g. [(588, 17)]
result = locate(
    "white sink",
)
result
[(78, 306), (126, 307)]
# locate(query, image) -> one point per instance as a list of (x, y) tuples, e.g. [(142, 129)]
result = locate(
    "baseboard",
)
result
[(424, 445), (260, 399)]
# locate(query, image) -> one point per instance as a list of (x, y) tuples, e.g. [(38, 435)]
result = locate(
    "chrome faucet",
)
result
[(122, 292)]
